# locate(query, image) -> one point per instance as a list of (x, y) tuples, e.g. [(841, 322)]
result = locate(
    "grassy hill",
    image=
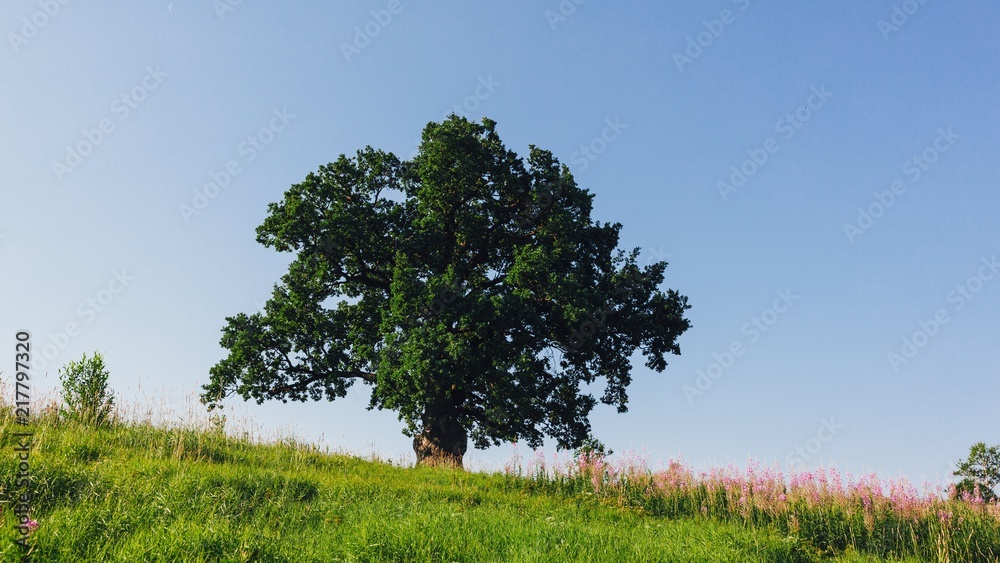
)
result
[(137, 492)]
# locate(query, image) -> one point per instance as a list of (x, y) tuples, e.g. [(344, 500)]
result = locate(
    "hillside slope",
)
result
[(142, 493)]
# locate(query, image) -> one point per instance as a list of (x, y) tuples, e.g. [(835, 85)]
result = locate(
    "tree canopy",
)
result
[(980, 472), (469, 289)]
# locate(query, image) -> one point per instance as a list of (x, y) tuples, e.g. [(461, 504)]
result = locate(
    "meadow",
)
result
[(137, 490)]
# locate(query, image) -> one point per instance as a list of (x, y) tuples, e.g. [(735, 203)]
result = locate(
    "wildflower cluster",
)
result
[(824, 509)]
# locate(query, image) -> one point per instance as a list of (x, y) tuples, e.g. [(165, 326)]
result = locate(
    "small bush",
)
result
[(85, 391)]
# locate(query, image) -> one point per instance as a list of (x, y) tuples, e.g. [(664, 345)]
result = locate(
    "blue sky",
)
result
[(866, 205)]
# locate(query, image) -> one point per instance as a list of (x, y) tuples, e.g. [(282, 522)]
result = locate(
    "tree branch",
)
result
[(302, 385)]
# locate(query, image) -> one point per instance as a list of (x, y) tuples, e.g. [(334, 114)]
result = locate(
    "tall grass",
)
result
[(145, 489), (830, 512), (131, 491)]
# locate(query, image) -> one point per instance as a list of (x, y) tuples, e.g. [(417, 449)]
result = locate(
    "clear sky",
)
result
[(823, 179)]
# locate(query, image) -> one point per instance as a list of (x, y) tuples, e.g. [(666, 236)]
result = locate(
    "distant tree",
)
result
[(982, 468), (470, 290)]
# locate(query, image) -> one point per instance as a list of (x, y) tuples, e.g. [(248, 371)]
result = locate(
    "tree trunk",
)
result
[(442, 442)]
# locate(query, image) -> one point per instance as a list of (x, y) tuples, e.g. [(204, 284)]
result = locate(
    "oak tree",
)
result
[(468, 289)]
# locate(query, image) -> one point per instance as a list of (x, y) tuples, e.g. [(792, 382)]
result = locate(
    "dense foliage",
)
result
[(471, 290)]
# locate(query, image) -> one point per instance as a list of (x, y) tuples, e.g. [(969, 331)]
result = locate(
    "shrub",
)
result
[(85, 391)]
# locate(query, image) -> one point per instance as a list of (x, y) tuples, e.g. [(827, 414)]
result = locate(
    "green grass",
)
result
[(141, 493)]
